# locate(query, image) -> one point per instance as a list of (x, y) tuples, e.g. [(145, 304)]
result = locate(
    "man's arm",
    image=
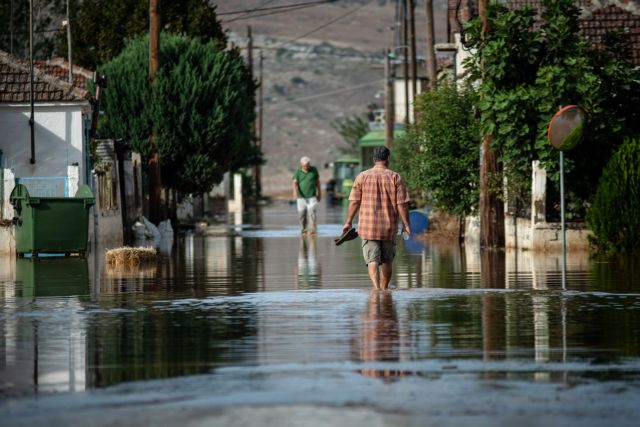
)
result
[(295, 188), (403, 210), (318, 193), (354, 207)]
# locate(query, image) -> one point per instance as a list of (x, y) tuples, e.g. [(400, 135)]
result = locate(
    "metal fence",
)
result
[(46, 186)]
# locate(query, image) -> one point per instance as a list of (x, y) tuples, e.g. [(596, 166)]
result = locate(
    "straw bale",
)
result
[(127, 256)]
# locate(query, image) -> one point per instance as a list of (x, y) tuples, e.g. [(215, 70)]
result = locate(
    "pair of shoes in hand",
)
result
[(350, 234)]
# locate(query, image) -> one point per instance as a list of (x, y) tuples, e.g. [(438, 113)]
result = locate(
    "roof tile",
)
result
[(48, 86)]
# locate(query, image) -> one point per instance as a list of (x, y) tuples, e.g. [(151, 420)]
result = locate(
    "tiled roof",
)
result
[(59, 68), (601, 21), (14, 83), (598, 17)]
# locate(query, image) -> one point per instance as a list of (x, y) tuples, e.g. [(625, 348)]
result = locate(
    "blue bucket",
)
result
[(419, 222)]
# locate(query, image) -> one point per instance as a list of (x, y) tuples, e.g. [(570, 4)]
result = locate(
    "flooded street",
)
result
[(251, 324)]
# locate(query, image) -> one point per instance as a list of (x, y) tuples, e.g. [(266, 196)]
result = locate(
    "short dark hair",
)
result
[(381, 154)]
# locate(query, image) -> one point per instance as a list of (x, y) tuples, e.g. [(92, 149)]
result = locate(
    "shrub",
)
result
[(438, 157), (614, 216)]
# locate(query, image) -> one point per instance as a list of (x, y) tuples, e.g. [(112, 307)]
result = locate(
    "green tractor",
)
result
[(345, 170), (371, 140)]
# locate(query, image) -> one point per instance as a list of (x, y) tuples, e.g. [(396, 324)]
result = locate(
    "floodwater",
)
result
[(250, 324)]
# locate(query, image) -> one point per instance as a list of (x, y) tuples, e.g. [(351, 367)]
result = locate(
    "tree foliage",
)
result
[(614, 216), (351, 129), (101, 28), (439, 155), (14, 26), (201, 108), (529, 72)]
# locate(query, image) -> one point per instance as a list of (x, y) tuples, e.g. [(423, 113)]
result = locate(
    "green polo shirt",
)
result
[(306, 182)]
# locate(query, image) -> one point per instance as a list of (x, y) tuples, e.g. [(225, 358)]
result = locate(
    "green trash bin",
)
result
[(51, 224)]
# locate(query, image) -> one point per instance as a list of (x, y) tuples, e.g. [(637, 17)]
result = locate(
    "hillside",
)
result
[(312, 80)]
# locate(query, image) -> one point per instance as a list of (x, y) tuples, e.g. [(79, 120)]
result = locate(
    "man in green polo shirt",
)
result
[(306, 191)]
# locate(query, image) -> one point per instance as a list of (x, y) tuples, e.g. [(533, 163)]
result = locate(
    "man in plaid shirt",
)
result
[(380, 196)]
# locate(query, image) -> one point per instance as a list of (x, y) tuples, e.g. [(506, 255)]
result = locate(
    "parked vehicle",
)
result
[(345, 169)]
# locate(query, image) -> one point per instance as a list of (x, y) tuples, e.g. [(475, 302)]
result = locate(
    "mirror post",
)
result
[(562, 224)]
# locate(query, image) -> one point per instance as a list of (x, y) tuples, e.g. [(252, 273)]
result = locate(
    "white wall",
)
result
[(59, 136)]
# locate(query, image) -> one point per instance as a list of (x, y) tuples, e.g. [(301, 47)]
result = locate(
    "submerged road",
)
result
[(250, 324)]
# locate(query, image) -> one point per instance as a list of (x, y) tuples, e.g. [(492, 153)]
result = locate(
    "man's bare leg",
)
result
[(385, 275), (373, 274)]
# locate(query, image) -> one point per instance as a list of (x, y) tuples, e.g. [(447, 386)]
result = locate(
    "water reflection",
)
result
[(203, 307), (51, 277), (379, 336), (307, 271)]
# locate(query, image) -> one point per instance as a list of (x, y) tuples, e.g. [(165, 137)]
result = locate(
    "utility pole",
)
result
[(414, 57), (11, 28), (388, 101), (256, 168), (250, 51), (491, 208), (155, 182), (431, 54), (32, 122), (405, 48), (68, 24), (260, 134)]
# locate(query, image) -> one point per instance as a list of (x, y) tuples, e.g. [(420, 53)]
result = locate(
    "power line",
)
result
[(243, 17), (320, 95), (284, 6), (264, 3), (276, 12), (273, 9), (344, 15)]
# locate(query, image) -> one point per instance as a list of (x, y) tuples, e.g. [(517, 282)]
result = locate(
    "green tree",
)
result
[(530, 71), (14, 26), (439, 155), (201, 108), (614, 216), (351, 129), (101, 28)]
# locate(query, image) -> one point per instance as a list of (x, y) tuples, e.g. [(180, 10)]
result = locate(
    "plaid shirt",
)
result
[(379, 191)]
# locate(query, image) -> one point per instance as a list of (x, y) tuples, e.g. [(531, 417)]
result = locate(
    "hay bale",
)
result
[(130, 256)]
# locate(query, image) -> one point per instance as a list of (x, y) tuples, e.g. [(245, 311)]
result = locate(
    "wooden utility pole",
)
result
[(250, 51), (260, 134), (414, 55), (405, 48), (389, 110), (155, 182), (256, 168), (431, 54), (32, 119), (491, 207)]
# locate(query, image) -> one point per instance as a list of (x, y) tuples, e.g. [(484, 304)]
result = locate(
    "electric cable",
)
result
[(276, 12), (320, 95), (283, 6), (344, 15)]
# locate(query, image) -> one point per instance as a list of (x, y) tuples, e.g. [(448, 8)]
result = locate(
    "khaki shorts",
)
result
[(380, 251)]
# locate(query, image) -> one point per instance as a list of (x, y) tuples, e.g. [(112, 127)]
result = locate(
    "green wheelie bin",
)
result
[(51, 224)]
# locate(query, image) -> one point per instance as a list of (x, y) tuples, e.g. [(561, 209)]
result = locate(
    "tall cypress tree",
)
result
[(201, 107)]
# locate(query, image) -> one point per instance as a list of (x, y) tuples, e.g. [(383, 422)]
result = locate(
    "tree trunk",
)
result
[(491, 207)]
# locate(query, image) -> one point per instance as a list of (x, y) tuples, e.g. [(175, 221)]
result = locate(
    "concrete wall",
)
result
[(535, 233), (541, 236), (544, 236), (59, 138)]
